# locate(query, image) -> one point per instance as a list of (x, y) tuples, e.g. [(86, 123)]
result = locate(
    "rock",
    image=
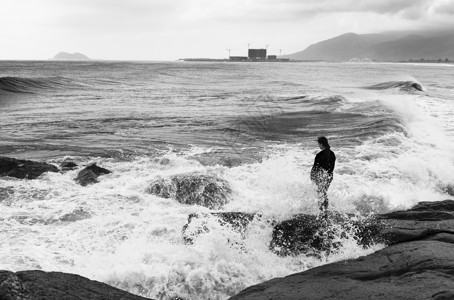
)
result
[(38, 285), (5, 193), (413, 270), (86, 177), (301, 234), (193, 188), (24, 168), (418, 264), (90, 174), (237, 220), (307, 233), (449, 189), (76, 215), (68, 166), (422, 221)]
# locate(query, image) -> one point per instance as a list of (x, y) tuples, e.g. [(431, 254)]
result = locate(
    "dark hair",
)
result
[(323, 141)]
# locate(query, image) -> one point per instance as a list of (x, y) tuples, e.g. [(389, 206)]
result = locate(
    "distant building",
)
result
[(238, 58), (272, 57), (257, 54)]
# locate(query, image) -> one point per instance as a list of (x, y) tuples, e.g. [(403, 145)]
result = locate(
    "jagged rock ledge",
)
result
[(417, 264), (34, 285)]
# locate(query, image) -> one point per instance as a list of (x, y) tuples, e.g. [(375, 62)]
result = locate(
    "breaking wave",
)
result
[(406, 86), (32, 85)]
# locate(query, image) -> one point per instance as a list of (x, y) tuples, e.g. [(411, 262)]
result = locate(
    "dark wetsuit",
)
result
[(322, 174)]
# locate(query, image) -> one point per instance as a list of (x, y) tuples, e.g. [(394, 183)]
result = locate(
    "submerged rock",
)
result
[(76, 215), (38, 285), (5, 193), (237, 220), (28, 169), (68, 166), (90, 174), (193, 188), (418, 264)]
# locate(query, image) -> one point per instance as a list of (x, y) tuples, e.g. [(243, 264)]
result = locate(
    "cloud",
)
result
[(153, 29), (411, 9)]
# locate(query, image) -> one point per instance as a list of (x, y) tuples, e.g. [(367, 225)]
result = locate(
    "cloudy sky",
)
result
[(172, 29)]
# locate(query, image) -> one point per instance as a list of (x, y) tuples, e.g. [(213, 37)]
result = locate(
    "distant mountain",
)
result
[(381, 47), (414, 47), (69, 56)]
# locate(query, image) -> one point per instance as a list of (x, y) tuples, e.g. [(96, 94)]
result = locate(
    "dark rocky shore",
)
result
[(417, 264), (39, 285), (22, 169)]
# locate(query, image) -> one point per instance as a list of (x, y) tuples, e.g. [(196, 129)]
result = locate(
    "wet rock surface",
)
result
[(417, 264), (305, 233), (90, 174), (300, 235), (24, 169), (193, 188), (38, 285)]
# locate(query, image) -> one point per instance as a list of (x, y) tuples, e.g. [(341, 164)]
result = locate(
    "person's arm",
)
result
[(315, 168), (333, 161)]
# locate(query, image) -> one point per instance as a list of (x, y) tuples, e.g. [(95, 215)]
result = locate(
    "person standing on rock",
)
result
[(322, 171)]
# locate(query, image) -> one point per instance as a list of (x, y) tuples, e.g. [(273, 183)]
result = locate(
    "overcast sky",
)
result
[(172, 29)]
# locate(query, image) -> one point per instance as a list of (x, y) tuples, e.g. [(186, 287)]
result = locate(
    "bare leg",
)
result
[(322, 189)]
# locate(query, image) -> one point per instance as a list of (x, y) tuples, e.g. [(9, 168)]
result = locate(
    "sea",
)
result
[(254, 125)]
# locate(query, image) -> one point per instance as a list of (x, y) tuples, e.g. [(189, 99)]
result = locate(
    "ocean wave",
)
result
[(406, 86), (32, 85), (325, 116)]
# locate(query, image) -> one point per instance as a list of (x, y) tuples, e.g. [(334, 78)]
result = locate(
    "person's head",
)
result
[(323, 142)]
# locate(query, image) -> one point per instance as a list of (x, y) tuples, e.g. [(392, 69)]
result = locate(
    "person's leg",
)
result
[(322, 189), (323, 198)]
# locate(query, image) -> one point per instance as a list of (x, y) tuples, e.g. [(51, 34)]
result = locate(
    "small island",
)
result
[(70, 56)]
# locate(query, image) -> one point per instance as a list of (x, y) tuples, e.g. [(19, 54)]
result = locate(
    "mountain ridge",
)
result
[(381, 47)]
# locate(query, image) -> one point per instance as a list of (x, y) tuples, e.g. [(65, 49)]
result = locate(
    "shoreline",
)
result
[(415, 264)]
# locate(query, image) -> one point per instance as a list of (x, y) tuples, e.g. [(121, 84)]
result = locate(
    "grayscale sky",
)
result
[(172, 29)]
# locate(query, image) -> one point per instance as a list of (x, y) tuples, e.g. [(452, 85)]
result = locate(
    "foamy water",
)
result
[(394, 148)]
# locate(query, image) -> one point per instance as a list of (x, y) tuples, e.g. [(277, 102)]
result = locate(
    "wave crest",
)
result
[(31, 85), (406, 86)]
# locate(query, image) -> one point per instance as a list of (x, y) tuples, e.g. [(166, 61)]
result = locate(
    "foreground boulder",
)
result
[(38, 285), (27, 169), (418, 264), (90, 174), (305, 233), (193, 188), (300, 235), (413, 270)]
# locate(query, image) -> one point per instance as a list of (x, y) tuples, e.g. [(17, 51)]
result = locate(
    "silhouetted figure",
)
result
[(322, 171)]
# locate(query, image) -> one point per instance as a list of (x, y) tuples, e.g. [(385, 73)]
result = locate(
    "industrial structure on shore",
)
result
[(257, 55), (254, 55)]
